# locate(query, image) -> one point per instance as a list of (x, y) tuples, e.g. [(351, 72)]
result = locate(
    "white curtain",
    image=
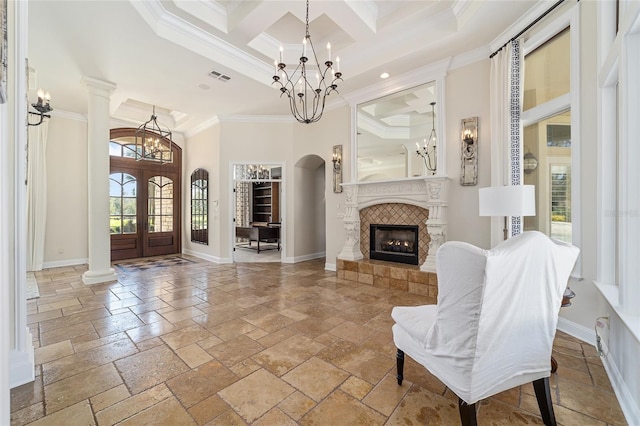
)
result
[(36, 195), (506, 88)]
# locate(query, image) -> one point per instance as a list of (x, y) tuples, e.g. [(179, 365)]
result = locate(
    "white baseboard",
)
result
[(207, 257), (587, 335), (625, 398), (627, 402), (22, 363), (330, 267), (304, 257), (66, 262)]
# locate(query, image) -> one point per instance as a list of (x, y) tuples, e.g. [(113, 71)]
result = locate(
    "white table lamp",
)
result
[(514, 200)]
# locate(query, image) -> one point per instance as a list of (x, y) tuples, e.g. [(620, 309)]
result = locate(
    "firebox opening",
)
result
[(394, 243)]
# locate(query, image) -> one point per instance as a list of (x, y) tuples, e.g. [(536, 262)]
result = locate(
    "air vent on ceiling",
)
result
[(219, 76)]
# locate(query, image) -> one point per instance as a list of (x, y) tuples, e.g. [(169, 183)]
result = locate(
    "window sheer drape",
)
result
[(36, 195)]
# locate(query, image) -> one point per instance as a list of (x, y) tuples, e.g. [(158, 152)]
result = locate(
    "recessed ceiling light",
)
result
[(203, 86), (384, 75)]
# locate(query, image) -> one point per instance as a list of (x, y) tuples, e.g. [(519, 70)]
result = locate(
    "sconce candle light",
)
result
[(469, 152), (43, 107), (337, 168)]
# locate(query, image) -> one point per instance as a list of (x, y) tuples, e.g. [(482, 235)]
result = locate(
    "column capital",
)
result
[(95, 83)]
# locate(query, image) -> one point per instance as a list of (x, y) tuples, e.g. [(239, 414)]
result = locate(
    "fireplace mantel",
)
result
[(429, 192)]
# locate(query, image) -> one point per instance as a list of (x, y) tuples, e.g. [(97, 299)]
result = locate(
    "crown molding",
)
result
[(202, 127), (189, 36), (425, 74), (520, 24), (69, 115)]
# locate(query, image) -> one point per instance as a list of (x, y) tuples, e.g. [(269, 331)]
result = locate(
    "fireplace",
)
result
[(394, 243)]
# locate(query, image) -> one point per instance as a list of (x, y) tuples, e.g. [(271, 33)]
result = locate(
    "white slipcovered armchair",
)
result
[(495, 319)]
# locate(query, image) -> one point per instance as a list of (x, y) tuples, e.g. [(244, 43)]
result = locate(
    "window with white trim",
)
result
[(618, 173), (547, 135)]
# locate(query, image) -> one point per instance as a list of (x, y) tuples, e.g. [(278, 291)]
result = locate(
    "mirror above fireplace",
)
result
[(388, 130)]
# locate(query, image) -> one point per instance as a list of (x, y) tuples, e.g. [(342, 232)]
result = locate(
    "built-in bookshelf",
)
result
[(266, 202)]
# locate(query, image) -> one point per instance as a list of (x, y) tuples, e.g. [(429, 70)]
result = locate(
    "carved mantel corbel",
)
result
[(351, 249)]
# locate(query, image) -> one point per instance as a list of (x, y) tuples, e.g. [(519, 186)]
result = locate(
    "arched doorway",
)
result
[(309, 222), (144, 200)]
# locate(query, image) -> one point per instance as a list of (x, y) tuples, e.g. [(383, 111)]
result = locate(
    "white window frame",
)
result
[(618, 174), (566, 102)]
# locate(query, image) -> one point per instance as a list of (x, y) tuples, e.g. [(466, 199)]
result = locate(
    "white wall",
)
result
[(66, 228), (467, 95), (202, 151), (309, 207), (259, 142), (319, 139)]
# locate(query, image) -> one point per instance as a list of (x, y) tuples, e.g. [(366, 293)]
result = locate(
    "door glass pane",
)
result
[(160, 204), (547, 165), (561, 202), (547, 71), (120, 185)]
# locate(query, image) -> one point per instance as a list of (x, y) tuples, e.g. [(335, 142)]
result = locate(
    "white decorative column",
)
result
[(437, 202), (351, 249), (100, 270)]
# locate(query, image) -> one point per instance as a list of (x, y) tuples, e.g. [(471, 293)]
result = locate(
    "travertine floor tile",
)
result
[(316, 378), (297, 405), (76, 415), (421, 407), (256, 394), (341, 408), (168, 411), (132, 405), (185, 341), (69, 391), (195, 385), (386, 395), (52, 352), (149, 368)]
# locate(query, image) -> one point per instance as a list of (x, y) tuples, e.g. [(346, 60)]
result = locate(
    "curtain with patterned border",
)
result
[(506, 88)]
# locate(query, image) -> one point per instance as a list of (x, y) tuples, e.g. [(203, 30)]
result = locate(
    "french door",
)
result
[(144, 206)]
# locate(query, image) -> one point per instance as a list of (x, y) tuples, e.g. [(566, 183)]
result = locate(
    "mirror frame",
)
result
[(432, 73)]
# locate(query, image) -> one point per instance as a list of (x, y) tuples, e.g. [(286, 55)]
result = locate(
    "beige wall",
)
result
[(66, 229), (467, 95), (202, 151), (261, 143)]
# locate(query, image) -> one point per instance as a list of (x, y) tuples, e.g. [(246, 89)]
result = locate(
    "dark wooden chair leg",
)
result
[(467, 413), (400, 366), (543, 395)]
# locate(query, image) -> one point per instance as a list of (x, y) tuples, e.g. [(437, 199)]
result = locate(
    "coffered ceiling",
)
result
[(200, 59)]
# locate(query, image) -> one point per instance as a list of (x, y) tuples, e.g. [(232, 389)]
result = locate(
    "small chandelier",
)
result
[(428, 151), (307, 86), (153, 143)]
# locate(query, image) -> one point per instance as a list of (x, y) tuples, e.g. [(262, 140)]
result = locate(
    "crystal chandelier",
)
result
[(307, 86), (153, 143), (428, 151)]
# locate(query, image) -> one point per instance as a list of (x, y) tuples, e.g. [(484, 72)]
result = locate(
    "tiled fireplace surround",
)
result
[(421, 201)]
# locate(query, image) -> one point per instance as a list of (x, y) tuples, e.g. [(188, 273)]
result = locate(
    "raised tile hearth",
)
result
[(391, 275)]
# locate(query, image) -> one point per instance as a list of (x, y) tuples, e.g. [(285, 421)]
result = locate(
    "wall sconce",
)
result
[(469, 151), (42, 106), (337, 168), (529, 163)]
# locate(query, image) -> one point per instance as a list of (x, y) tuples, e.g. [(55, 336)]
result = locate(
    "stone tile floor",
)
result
[(266, 344)]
